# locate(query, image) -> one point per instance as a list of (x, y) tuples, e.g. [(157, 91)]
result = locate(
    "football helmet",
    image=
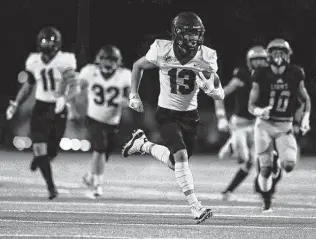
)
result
[(49, 41), (108, 58), (256, 57), (279, 52), (187, 31)]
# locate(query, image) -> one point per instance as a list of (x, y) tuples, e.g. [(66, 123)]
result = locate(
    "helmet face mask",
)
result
[(108, 59), (49, 41), (279, 52), (187, 32)]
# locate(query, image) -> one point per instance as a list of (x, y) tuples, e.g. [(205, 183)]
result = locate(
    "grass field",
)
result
[(142, 200)]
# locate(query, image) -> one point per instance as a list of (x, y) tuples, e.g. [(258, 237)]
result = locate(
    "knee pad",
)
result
[(265, 171), (181, 156), (288, 166)]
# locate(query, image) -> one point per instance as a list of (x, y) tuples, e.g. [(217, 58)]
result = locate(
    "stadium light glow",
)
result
[(75, 144), (85, 145), (65, 144)]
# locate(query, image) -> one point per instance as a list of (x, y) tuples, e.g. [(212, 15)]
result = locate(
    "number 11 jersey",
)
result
[(178, 89), (48, 76)]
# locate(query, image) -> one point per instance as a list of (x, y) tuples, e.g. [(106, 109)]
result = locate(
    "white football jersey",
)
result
[(105, 96), (48, 76), (178, 88)]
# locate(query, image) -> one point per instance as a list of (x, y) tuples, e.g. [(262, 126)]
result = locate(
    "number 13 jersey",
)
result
[(178, 89), (48, 76), (105, 96)]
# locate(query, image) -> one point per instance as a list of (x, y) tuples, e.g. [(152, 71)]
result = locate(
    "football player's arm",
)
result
[(253, 98), (138, 67), (304, 97), (69, 76), (27, 87), (233, 85)]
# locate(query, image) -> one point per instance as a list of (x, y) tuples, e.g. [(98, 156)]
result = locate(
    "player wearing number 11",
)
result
[(273, 99), (179, 62), (51, 71)]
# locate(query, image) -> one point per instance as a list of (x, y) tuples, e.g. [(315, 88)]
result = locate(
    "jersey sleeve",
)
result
[(127, 82), (212, 60), (29, 68), (152, 54), (256, 75), (69, 62)]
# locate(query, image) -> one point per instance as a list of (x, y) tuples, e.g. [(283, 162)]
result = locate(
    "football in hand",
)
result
[(208, 74)]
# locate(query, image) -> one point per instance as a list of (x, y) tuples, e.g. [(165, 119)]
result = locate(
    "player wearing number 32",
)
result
[(183, 63), (273, 98), (52, 72), (107, 85)]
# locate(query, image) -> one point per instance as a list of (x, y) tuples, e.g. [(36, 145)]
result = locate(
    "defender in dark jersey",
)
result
[(240, 144), (273, 100)]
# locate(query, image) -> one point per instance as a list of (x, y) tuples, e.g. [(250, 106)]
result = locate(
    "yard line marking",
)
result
[(67, 236), (217, 215), (110, 204), (155, 225)]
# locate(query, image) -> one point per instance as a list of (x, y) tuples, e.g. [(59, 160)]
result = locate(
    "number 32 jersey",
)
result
[(280, 92), (48, 76), (105, 96), (178, 89)]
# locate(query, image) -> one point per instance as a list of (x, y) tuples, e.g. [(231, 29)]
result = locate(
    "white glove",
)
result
[(263, 113), (135, 103), (11, 109), (207, 85), (305, 127), (222, 124), (60, 104)]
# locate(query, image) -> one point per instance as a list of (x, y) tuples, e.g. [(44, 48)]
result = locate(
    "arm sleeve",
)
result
[(29, 69)]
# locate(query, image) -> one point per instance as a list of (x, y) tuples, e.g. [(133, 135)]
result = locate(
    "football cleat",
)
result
[(200, 213), (266, 206), (228, 196), (98, 191), (135, 144), (53, 193)]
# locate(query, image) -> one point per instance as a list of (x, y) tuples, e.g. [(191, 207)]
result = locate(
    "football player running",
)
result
[(273, 100), (107, 85), (50, 71), (185, 65), (241, 142)]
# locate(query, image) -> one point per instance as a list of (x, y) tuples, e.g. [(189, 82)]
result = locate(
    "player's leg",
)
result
[(263, 148), (287, 150), (57, 132), (140, 144), (227, 150), (180, 141), (40, 131), (244, 144)]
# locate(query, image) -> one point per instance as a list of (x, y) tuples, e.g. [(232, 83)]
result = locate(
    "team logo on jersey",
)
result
[(280, 81), (167, 58)]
